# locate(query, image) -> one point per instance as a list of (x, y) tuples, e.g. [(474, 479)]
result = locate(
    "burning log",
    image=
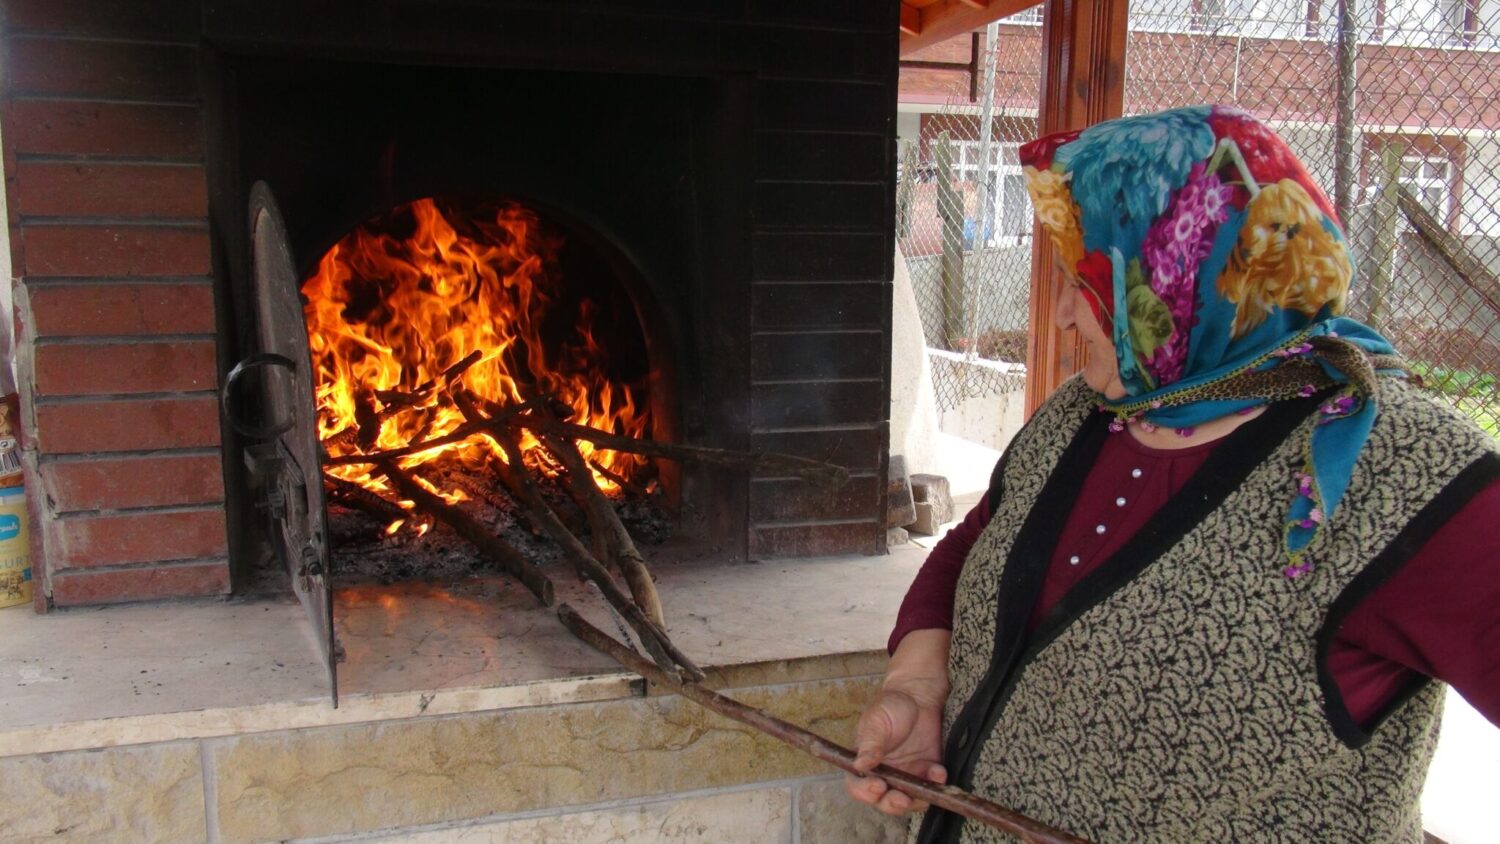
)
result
[(356, 497), (823, 474), (619, 480), (369, 421), (458, 435), (949, 797), (477, 534), (397, 399)]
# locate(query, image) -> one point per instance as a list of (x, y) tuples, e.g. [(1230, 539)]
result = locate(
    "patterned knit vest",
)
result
[(1180, 693)]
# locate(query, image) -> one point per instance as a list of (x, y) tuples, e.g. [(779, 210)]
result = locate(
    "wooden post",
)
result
[(1083, 82), (951, 270), (1383, 249), (906, 188)]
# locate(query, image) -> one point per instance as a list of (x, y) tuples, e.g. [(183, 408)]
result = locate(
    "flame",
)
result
[(400, 301)]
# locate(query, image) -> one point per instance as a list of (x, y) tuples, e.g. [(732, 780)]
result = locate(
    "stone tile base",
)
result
[(629, 769)]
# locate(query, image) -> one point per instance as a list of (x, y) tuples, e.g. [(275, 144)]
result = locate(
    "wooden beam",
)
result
[(911, 20), (949, 18), (1083, 82)]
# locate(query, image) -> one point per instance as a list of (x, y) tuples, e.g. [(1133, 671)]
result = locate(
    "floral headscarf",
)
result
[(1221, 272)]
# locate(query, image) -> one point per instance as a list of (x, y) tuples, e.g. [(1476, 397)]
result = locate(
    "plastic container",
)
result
[(15, 549)]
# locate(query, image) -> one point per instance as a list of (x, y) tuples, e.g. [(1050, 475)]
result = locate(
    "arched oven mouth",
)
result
[(374, 374)]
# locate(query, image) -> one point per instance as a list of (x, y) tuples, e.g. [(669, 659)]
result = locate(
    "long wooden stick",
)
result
[(603, 517), (469, 528), (815, 471), (948, 797)]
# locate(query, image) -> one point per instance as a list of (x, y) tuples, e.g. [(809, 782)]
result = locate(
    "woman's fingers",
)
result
[(899, 803), (876, 792), (866, 790)]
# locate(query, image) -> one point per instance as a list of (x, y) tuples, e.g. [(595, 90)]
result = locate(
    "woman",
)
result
[(1216, 574)]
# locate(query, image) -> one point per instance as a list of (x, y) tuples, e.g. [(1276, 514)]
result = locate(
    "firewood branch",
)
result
[(458, 435), (815, 471), (602, 517), (356, 497), (653, 638)]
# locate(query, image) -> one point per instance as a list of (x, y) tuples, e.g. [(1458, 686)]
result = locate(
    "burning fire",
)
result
[(398, 307)]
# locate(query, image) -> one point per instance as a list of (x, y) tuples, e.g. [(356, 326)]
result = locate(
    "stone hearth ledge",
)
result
[(143, 674)]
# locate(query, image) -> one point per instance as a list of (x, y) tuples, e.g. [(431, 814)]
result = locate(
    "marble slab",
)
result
[(174, 670)]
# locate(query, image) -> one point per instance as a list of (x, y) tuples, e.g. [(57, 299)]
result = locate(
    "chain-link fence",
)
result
[(964, 220), (1390, 103)]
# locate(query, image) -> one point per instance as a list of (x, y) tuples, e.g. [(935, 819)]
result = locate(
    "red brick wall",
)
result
[(1278, 78), (115, 315)]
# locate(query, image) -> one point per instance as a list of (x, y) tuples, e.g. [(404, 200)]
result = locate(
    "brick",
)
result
[(817, 540), (104, 17), (150, 537), (122, 368), (820, 306), (786, 500), (121, 482), (934, 490), (831, 106), (803, 404), (861, 14), (110, 190), (830, 256), (900, 508), (145, 793), (840, 354), (927, 522), (466, 28), (91, 310), (639, 41), (822, 157), (133, 425), (817, 205), (787, 52), (105, 129), (855, 448), (110, 586), (115, 251), (101, 69)]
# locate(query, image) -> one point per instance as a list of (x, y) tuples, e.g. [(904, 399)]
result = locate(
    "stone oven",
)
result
[(728, 165)]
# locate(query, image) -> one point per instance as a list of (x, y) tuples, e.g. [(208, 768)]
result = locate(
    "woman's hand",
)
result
[(903, 727)]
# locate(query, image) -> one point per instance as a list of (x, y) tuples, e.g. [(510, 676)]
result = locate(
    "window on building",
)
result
[(1428, 171), (1430, 179), (1008, 221), (1026, 17)]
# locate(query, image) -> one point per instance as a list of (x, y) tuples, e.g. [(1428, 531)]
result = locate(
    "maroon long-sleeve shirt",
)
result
[(1438, 616)]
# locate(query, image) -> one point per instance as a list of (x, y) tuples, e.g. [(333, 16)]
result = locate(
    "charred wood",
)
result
[(472, 530)]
